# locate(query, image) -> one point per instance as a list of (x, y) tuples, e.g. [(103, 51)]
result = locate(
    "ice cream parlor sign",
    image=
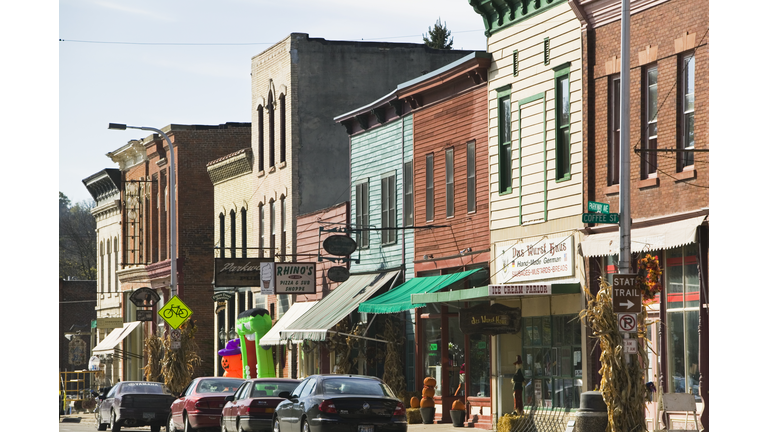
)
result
[(543, 259)]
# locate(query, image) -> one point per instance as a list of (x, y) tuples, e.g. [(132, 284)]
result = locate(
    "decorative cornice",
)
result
[(233, 165), (129, 155), (500, 14), (597, 13)]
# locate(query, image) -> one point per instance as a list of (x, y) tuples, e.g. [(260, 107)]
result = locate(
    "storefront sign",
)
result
[(547, 258), (519, 290), (490, 320), (293, 278), (144, 315), (238, 272), (109, 323)]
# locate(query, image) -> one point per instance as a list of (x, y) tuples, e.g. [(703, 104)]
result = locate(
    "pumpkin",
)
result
[(430, 382), (427, 402), (414, 402), (428, 392), (458, 405)]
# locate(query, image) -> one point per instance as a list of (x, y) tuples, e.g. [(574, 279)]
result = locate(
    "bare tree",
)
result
[(77, 240)]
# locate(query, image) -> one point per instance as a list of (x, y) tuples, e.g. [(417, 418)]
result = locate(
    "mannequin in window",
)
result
[(518, 379)]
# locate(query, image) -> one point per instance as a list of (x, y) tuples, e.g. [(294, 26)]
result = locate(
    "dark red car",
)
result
[(252, 406), (199, 405)]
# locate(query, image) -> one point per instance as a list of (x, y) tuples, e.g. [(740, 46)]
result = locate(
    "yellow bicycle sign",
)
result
[(175, 312)]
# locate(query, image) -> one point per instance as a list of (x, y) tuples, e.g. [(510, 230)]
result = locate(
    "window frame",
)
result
[(233, 233), (449, 183), (272, 228), (260, 120), (686, 137), (281, 99), (650, 119), (504, 111), (614, 130), (388, 209), (562, 125), (244, 232), (408, 205), (283, 229), (271, 114), (430, 187), (471, 176), (261, 230), (362, 214), (222, 234)]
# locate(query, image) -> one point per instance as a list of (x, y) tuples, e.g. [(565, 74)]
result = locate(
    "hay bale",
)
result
[(507, 422), (413, 416)]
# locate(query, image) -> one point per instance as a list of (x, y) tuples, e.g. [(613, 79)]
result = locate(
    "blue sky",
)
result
[(203, 77)]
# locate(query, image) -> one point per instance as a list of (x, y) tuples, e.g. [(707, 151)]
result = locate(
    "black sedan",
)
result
[(132, 404), (340, 403)]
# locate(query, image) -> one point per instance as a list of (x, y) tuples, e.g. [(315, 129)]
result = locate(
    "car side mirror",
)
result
[(284, 395), (229, 398)]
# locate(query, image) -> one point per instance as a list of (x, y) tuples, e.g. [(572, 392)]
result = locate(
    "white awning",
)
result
[(116, 336), (656, 237), (295, 312)]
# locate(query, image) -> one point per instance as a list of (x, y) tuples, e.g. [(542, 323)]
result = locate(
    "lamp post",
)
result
[(172, 186)]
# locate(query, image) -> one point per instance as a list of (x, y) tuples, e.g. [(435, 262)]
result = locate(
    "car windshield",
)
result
[(272, 388), (219, 385), (356, 386), (143, 387)]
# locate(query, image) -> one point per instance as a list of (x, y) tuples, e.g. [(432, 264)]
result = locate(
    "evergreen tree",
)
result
[(438, 37)]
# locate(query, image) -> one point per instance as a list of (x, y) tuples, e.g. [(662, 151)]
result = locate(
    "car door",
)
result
[(227, 413), (300, 406), (106, 405), (284, 411), (177, 407), (240, 404)]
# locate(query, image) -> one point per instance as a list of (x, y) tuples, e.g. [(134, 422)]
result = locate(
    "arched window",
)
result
[(233, 233), (271, 114), (260, 126), (101, 265), (244, 232), (109, 265), (282, 229), (282, 128), (261, 230), (221, 235), (272, 227), (117, 249)]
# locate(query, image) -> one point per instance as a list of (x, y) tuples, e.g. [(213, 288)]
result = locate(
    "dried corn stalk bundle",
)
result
[(622, 384), (153, 350), (393, 365), (178, 365)]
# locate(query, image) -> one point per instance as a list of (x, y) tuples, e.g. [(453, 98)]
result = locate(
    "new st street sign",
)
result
[(626, 295)]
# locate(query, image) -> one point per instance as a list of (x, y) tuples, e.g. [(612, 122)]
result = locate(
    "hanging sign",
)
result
[(490, 320)]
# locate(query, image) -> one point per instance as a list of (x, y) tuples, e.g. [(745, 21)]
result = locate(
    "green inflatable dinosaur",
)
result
[(251, 326)]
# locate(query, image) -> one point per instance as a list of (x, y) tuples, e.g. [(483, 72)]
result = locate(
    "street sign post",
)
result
[(627, 297), (612, 218), (598, 207)]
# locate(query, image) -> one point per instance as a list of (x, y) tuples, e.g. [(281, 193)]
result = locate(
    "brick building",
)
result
[(145, 246), (669, 186)]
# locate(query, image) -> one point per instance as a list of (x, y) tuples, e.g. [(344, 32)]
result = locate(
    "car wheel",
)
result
[(305, 426), (99, 424), (276, 426), (169, 426), (114, 426), (155, 427), (187, 426), (223, 426)]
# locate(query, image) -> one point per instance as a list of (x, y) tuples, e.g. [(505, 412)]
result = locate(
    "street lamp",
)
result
[(172, 186)]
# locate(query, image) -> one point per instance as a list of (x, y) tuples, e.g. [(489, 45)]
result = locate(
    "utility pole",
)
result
[(625, 218)]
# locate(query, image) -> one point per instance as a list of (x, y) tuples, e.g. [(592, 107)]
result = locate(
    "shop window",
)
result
[(432, 344), (480, 365), (552, 361), (682, 304)]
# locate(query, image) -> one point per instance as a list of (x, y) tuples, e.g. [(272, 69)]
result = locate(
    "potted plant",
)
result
[(458, 413), (427, 402)]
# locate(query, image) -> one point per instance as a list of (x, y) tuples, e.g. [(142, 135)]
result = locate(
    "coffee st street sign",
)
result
[(612, 218)]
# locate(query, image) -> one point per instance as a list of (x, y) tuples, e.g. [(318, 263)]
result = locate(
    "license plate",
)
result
[(365, 428), (151, 415)]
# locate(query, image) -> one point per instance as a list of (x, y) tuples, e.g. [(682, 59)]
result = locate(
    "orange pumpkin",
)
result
[(430, 382), (428, 392), (427, 402), (414, 402), (458, 405)]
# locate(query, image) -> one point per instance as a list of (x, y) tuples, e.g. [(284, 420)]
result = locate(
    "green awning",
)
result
[(315, 323), (399, 299)]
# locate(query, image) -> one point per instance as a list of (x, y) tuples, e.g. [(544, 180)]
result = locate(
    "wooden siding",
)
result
[(452, 124), (377, 153), (533, 106)]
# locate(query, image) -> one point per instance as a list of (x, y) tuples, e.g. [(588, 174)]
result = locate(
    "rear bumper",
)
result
[(335, 425), (256, 424), (204, 420), (136, 417)]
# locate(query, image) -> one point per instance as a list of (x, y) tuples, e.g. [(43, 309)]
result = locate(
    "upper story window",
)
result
[(471, 180), (388, 210), (282, 128), (449, 195), (650, 120), (261, 231), (272, 227), (233, 233), (687, 87), (244, 232), (563, 124), (362, 218), (222, 230), (505, 140), (271, 114), (260, 125), (614, 124), (283, 233), (430, 178), (408, 194)]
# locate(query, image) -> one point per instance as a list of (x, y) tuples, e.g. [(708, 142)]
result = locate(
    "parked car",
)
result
[(199, 405), (341, 403), (253, 404), (133, 404)]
